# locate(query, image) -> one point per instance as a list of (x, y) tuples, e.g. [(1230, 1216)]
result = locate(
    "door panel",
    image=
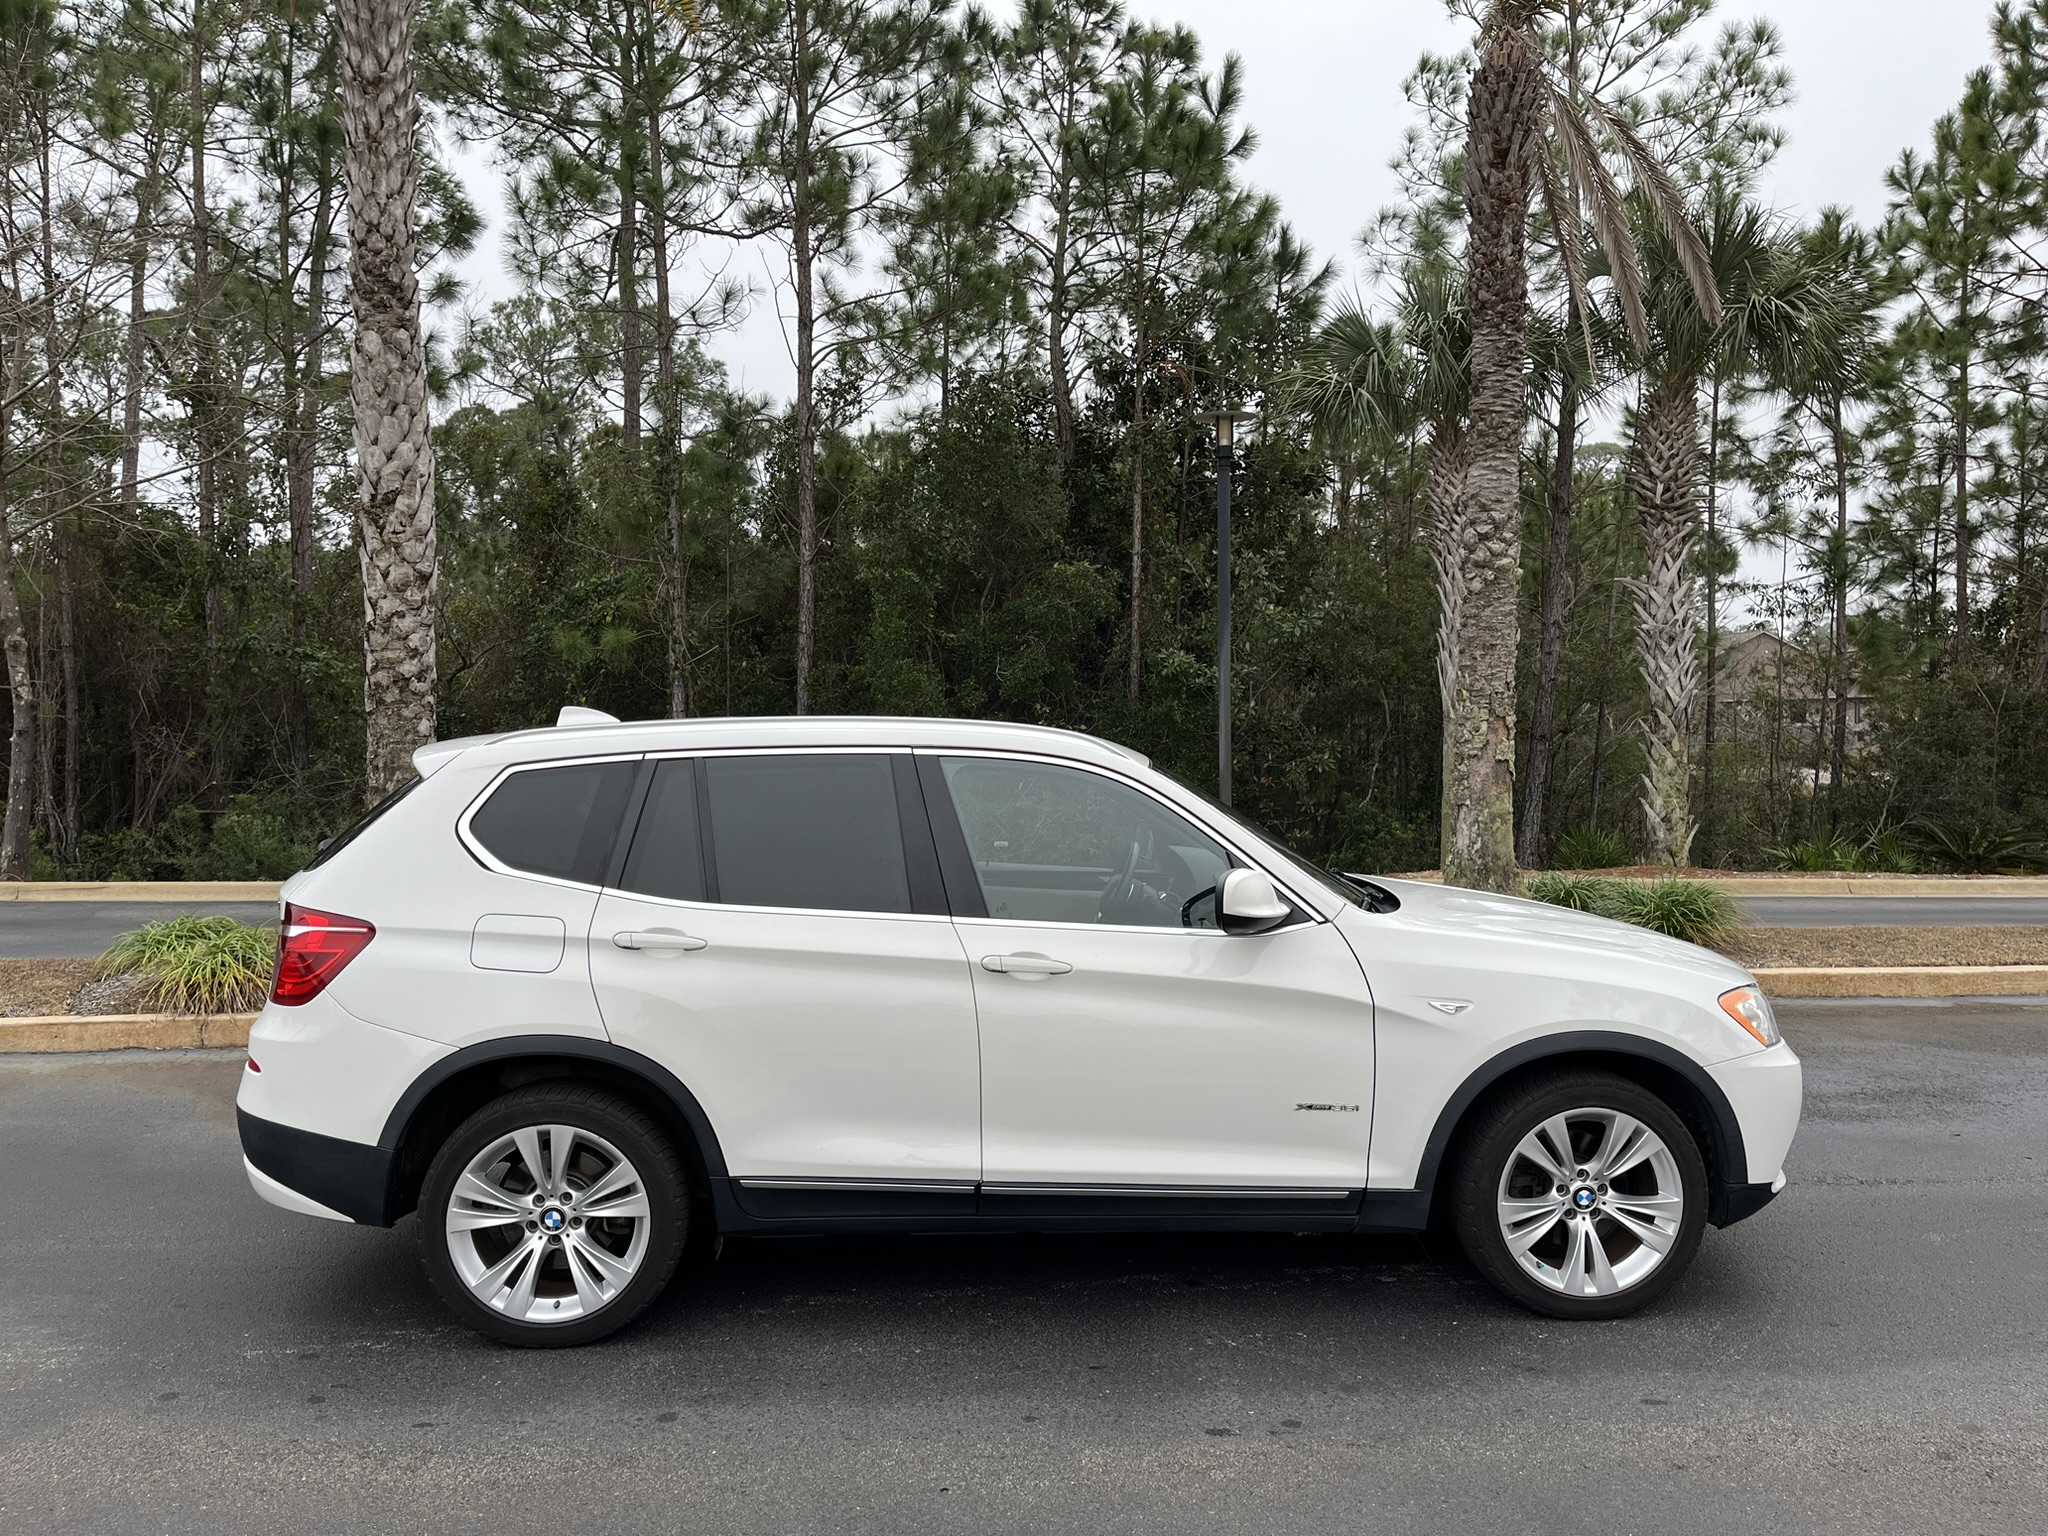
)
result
[(824, 1045), (1173, 1058), (1124, 1040), (820, 1044)]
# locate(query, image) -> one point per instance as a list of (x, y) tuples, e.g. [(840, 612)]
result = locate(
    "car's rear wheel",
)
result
[(1580, 1195), (553, 1216)]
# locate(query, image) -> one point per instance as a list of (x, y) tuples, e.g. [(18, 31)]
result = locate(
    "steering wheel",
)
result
[(1123, 887)]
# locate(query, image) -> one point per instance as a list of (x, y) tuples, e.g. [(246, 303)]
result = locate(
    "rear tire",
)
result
[(1580, 1194), (553, 1216)]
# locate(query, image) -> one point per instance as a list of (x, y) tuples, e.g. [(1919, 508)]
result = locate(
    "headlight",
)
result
[(1747, 1007)]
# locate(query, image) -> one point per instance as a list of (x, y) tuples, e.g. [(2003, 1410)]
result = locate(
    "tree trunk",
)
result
[(131, 385), (1665, 472), (1503, 119), (21, 755), (388, 388), (1550, 646), (668, 408), (304, 441), (632, 360), (1840, 636), (1137, 656), (1710, 705), (1056, 319), (806, 368), (205, 384)]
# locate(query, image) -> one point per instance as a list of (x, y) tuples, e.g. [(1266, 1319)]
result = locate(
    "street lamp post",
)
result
[(1225, 422)]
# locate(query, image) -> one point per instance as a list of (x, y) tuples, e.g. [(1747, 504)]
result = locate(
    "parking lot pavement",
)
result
[(58, 930), (1866, 1355)]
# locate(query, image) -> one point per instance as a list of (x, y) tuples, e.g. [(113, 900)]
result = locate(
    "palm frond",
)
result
[(1596, 185), (1663, 195), (1562, 204)]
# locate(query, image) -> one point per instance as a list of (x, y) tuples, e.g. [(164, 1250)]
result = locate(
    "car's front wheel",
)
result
[(1580, 1194), (554, 1215)]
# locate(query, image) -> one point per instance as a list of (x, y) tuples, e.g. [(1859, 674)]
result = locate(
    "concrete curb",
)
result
[(1904, 981), (139, 890), (124, 1032)]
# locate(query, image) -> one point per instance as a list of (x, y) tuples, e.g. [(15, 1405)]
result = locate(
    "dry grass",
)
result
[(1890, 946)]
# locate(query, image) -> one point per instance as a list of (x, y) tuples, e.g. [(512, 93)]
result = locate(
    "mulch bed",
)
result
[(32, 988)]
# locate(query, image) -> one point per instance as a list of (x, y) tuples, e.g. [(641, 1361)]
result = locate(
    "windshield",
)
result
[(329, 847), (1335, 884)]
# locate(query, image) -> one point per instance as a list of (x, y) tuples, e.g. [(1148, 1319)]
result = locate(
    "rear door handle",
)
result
[(1024, 965), (660, 940)]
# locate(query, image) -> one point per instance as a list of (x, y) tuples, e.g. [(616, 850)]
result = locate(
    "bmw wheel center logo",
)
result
[(1583, 1198), (552, 1219)]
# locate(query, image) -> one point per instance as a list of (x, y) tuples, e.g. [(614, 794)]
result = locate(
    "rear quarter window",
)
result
[(559, 822)]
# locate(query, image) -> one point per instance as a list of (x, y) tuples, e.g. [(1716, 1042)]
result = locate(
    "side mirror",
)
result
[(1247, 903)]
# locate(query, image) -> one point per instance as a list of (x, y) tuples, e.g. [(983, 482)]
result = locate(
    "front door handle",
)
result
[(661, 940), (1024, 965)]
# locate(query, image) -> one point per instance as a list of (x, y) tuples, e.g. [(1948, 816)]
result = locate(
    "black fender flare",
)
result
[(574, 1047), (1729, 1162)]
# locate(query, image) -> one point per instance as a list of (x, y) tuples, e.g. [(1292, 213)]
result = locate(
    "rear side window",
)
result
[(556, 821), (820, 832), (668, 855)]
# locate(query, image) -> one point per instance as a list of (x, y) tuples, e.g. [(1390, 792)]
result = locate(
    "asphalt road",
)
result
[(47, 930), (54, 929), (1901, 911), (1866, 1355)]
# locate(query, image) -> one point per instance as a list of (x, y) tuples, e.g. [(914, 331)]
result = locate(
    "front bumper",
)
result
[(340, 1180)]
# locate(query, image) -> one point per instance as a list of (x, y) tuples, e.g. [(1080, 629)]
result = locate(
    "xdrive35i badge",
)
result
[(1340, 1109)]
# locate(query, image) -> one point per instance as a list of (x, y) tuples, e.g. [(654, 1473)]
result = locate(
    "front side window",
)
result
[(1052, 844), (559, 822), (795, 831)]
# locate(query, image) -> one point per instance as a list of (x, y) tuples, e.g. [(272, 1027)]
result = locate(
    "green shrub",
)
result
[(1817, 854), (197, 964), (1592, 848), (1683, 909), (1978, 849)]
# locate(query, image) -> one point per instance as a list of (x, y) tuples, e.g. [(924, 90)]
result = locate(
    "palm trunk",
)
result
[(388, 388), (1550, 647), (1503, 120), (1449, 464), (1710, 704), (1665, 472)]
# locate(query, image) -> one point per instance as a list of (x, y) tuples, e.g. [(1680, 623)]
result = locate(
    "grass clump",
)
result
[(1682, 909), (196, 964), (1593, 848)]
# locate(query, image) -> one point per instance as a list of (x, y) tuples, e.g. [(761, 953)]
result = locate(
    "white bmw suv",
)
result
[(576, 994)]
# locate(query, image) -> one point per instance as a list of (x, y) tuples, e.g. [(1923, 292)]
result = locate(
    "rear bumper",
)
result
[(344, 1180)]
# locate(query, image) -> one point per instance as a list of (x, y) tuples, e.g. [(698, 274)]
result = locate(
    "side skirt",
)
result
[(826, 1206)]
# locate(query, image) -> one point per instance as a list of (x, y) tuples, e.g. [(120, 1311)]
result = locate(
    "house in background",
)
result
[(1763, 678)]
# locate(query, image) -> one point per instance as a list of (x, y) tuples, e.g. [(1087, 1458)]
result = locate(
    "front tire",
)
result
[(553, 1216), (1581, 1195)]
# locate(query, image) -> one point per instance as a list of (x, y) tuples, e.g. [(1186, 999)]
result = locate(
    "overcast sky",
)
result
[(1323, 89)]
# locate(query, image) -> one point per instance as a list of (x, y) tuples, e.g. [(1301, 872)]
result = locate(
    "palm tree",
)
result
[(1775, 312), (388, 387), (1517, 92)]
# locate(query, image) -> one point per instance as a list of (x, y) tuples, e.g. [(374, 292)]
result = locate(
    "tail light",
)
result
[(312, 947)]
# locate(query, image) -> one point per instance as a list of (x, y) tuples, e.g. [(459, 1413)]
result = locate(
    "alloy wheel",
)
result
[(1590, 1202), (548, 1224)]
